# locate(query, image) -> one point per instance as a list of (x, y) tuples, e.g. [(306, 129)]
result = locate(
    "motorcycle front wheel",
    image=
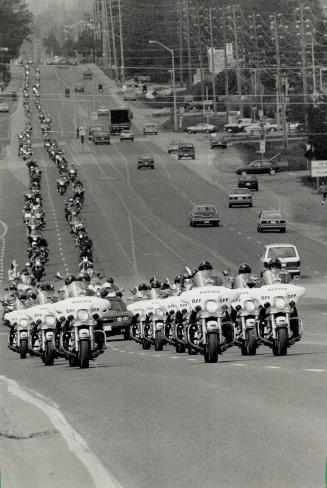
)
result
[(211, 349), (84, 354), (23, 349), (159, 341), (49, 354), (249, 348), (180, 348), (146, 344), (280, 344)]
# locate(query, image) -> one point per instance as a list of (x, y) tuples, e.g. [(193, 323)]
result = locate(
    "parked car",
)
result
[(259, 167), (217, 141), (150, 129), (126, 135), (240, 197), (103, 111), (87, 74), (202, 127), (186, 150), (79, 88), (173, 147), (248, 181), (271, 220), (117, 319), (145, 161), (101, 137), (205, 214), (4, 107), (287, 253), (94, 128)]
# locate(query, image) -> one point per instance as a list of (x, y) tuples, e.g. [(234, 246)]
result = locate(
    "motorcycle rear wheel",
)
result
[(280, 344), (159, 341), (23, 349), (84, 354), (211, 349)]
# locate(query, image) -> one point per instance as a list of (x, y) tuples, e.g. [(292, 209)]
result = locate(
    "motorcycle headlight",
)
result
[(279, 302), (83, 315), (159, 312), (50, 320), (249, 306), (119, 319), (211, 306), (23, 322)]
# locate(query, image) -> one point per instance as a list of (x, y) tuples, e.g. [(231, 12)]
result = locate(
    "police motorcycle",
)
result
[(20, 333), (42, 341), (245, 312), (137, 307), (279, 325), (177, 315), (209, 331), (82, 313)]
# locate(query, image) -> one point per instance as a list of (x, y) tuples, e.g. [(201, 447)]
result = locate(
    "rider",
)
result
[(243, 279), (275, 273)]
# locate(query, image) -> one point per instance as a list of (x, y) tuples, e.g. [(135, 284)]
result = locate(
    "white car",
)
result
[(4, 107), (103, 111), (287, 253), (202, 127)]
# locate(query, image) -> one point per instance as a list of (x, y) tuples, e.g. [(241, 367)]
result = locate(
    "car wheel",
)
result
[(190, 132), (178, 158), (283, 230), (230, 206), (208, 131), (217, 224), (272, 172), (193, 157), (258, 229)]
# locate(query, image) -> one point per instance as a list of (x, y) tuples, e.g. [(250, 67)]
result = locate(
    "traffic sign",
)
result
[(82, 131), (262, 147), (94, 116), (318, 168)]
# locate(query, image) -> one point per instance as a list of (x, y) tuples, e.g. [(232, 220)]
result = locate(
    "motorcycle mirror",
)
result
[(254, 277), (226, 272)]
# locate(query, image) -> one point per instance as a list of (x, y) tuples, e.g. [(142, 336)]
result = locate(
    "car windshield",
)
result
[(117, 305), (150, 126), (271, 215), (281, 252), (146, 156), (205, 208), (126, 132), (96, 129), (186, 146), (174, 143), (240, 191)]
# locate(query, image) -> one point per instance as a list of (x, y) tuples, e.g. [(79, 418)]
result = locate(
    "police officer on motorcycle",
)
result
[(275, 273)]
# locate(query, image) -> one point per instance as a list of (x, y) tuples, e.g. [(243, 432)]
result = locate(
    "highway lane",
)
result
[(161, 419)]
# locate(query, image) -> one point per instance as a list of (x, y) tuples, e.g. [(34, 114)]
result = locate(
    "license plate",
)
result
[(107, 328), (207, 221), (248, 184), (273, 222)]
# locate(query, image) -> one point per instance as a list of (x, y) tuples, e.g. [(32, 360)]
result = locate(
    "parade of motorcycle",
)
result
[(201, 311)]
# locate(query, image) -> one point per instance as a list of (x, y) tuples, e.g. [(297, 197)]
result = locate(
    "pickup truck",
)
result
[(238, 126)]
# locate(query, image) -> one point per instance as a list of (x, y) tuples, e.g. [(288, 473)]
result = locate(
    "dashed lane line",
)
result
[(314, 370)]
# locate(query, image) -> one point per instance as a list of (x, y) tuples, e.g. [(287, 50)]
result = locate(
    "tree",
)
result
[(15, 26)]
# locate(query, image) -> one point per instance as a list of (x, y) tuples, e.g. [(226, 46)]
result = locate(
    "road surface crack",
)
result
[(33, 435)]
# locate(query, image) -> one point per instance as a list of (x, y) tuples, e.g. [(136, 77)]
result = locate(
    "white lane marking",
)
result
[(191, 359), (156, 355), (240, 233), (313, 370), (238, 364), (75, 442), (5, 229), (273, 367), (248, 237), (323, 313), (316, 272), (258, 242), (130, 352), (174, 357)]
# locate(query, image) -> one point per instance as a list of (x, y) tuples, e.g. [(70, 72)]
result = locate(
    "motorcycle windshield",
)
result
[(154, 293), (75, 290), (208, 277), (241, 281), (25, 279)]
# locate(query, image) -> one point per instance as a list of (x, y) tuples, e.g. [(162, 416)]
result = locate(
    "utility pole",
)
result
[(237, 59), (188, 42), (180, 6), (278, 84), (304, 67), (212, 64), (122, 60), (105, 36), (226, 65), (113, 41), (200, 54), (314, 81)]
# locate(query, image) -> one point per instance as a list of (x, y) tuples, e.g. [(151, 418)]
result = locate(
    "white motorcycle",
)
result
[(247, 319)]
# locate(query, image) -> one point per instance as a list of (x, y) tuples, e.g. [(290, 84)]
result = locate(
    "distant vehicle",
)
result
[(120, 119), (126, 135), (129, 95), (259, 167), (201, 128), (103, 111), (101, 137), (240, 197), (248, 181), (87, 74), (117, 319), (4, 107), (95, 128), (205, 214), (79, 88), (173, 147), (237, 126), (145, 161), (67, 92), (271, 220), (287, 253), (217, 141), (186, 150), (150, 129)]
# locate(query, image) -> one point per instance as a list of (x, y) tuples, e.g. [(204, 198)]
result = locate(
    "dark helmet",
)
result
[(165, 286), (69, 279), (275, 263), (86, 277), (110, 280), (143, 286), (178, 278), (155, 284), (204, 265), (244, 268)]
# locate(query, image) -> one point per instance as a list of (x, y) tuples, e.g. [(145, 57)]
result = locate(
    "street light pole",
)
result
[(174, 80)]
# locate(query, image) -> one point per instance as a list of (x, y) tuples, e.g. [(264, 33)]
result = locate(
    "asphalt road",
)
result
[(161, 419)]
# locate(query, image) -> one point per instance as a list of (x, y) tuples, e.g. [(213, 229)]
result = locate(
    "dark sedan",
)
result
[(248, 181), (117, 319), (259, 167)]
